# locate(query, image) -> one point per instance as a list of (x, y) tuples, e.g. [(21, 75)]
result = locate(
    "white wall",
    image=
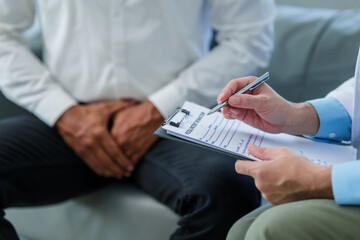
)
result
[(322, 3)]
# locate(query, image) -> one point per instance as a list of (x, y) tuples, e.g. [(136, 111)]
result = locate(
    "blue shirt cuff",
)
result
[(345, 179), (335, 121)]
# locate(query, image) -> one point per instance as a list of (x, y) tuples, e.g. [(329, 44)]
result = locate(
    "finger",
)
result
[(107, 164), (234, 86), (262, 153), (234, 111), (224, 95), (115, 152), (115, 106), (245, 167), (92, 161), (247, 101), (229, 114)]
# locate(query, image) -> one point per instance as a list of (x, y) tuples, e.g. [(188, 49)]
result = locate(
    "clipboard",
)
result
[(160, 132), (191, 125)]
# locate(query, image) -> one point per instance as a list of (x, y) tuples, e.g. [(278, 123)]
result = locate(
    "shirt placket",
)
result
[(118, 45)]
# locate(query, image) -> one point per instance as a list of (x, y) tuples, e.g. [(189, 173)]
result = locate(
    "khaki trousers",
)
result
[(310, 219)]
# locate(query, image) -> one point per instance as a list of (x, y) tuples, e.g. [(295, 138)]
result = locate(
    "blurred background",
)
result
[(343, 4)]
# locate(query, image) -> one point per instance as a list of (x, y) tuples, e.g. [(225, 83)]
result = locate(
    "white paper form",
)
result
[(234, 136)]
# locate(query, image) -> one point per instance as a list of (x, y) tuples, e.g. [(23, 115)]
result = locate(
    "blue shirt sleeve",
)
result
[(345, 180), (335, 125), (335, 121)]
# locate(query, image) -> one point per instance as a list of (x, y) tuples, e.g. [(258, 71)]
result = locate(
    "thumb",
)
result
[(247, 101), (262, 153)]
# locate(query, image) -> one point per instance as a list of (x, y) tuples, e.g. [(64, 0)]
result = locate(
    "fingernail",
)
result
[(232, 110)]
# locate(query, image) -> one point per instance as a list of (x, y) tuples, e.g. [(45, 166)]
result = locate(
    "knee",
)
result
[(276, 223), (238, 230), (223, 194), (230, 191)]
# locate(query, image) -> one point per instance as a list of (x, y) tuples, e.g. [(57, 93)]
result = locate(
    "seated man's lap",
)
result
[(37, 167), (309, 219), (198, 184)]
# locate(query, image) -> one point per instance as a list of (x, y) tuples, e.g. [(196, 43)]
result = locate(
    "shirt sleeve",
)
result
[(345, 179), (245, 36), (335, 121), (23, 78), (335, 124)]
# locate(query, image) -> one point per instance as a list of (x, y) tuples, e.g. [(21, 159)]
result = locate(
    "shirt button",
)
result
[(332, 135)]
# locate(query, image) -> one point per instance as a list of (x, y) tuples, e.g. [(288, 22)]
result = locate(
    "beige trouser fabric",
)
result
[(310, 219)]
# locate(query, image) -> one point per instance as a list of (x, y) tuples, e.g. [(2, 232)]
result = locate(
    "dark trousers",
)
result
[(37, 168)]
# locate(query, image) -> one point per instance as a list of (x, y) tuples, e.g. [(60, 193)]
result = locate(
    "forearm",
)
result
[(25, 80), (245, 45), (29, 84)]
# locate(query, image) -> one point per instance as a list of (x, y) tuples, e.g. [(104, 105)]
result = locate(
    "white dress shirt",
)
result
[(96, 50)]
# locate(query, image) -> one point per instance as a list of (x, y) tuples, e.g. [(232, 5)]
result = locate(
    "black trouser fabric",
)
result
[(37, 168)]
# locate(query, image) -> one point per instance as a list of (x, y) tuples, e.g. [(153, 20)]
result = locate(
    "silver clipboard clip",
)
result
[(176, 117)]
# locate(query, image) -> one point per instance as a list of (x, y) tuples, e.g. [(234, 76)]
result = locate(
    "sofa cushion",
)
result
[(315, 51), (119, 211)]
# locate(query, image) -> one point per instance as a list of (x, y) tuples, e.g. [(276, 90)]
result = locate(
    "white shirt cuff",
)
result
[(167, 99), (53, 106)]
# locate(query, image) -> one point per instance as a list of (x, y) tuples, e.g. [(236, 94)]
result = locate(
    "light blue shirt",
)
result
[(335, 125)]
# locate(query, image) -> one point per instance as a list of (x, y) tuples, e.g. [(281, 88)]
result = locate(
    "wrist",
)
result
[(302, 120), (322, 187), (63, 118), (153, 112)]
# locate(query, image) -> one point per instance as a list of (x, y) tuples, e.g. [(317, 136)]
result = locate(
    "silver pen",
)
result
[(249, 87)]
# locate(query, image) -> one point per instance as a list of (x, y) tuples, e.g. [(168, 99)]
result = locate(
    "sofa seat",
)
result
[(119, 211)]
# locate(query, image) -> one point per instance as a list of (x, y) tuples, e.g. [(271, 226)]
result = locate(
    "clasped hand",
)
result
[(110, 151)]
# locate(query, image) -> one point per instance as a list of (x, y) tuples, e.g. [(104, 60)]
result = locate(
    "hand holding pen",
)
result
[(252, 85), (264, 109)]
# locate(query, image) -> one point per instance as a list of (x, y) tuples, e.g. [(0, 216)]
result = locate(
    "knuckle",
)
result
[(263, 99), (261, 150), (283, 151), (114, 153), (114, 132), (98, 132), (258, 173), (121, 141), (259, 186), (234, 81), (88, 142)]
